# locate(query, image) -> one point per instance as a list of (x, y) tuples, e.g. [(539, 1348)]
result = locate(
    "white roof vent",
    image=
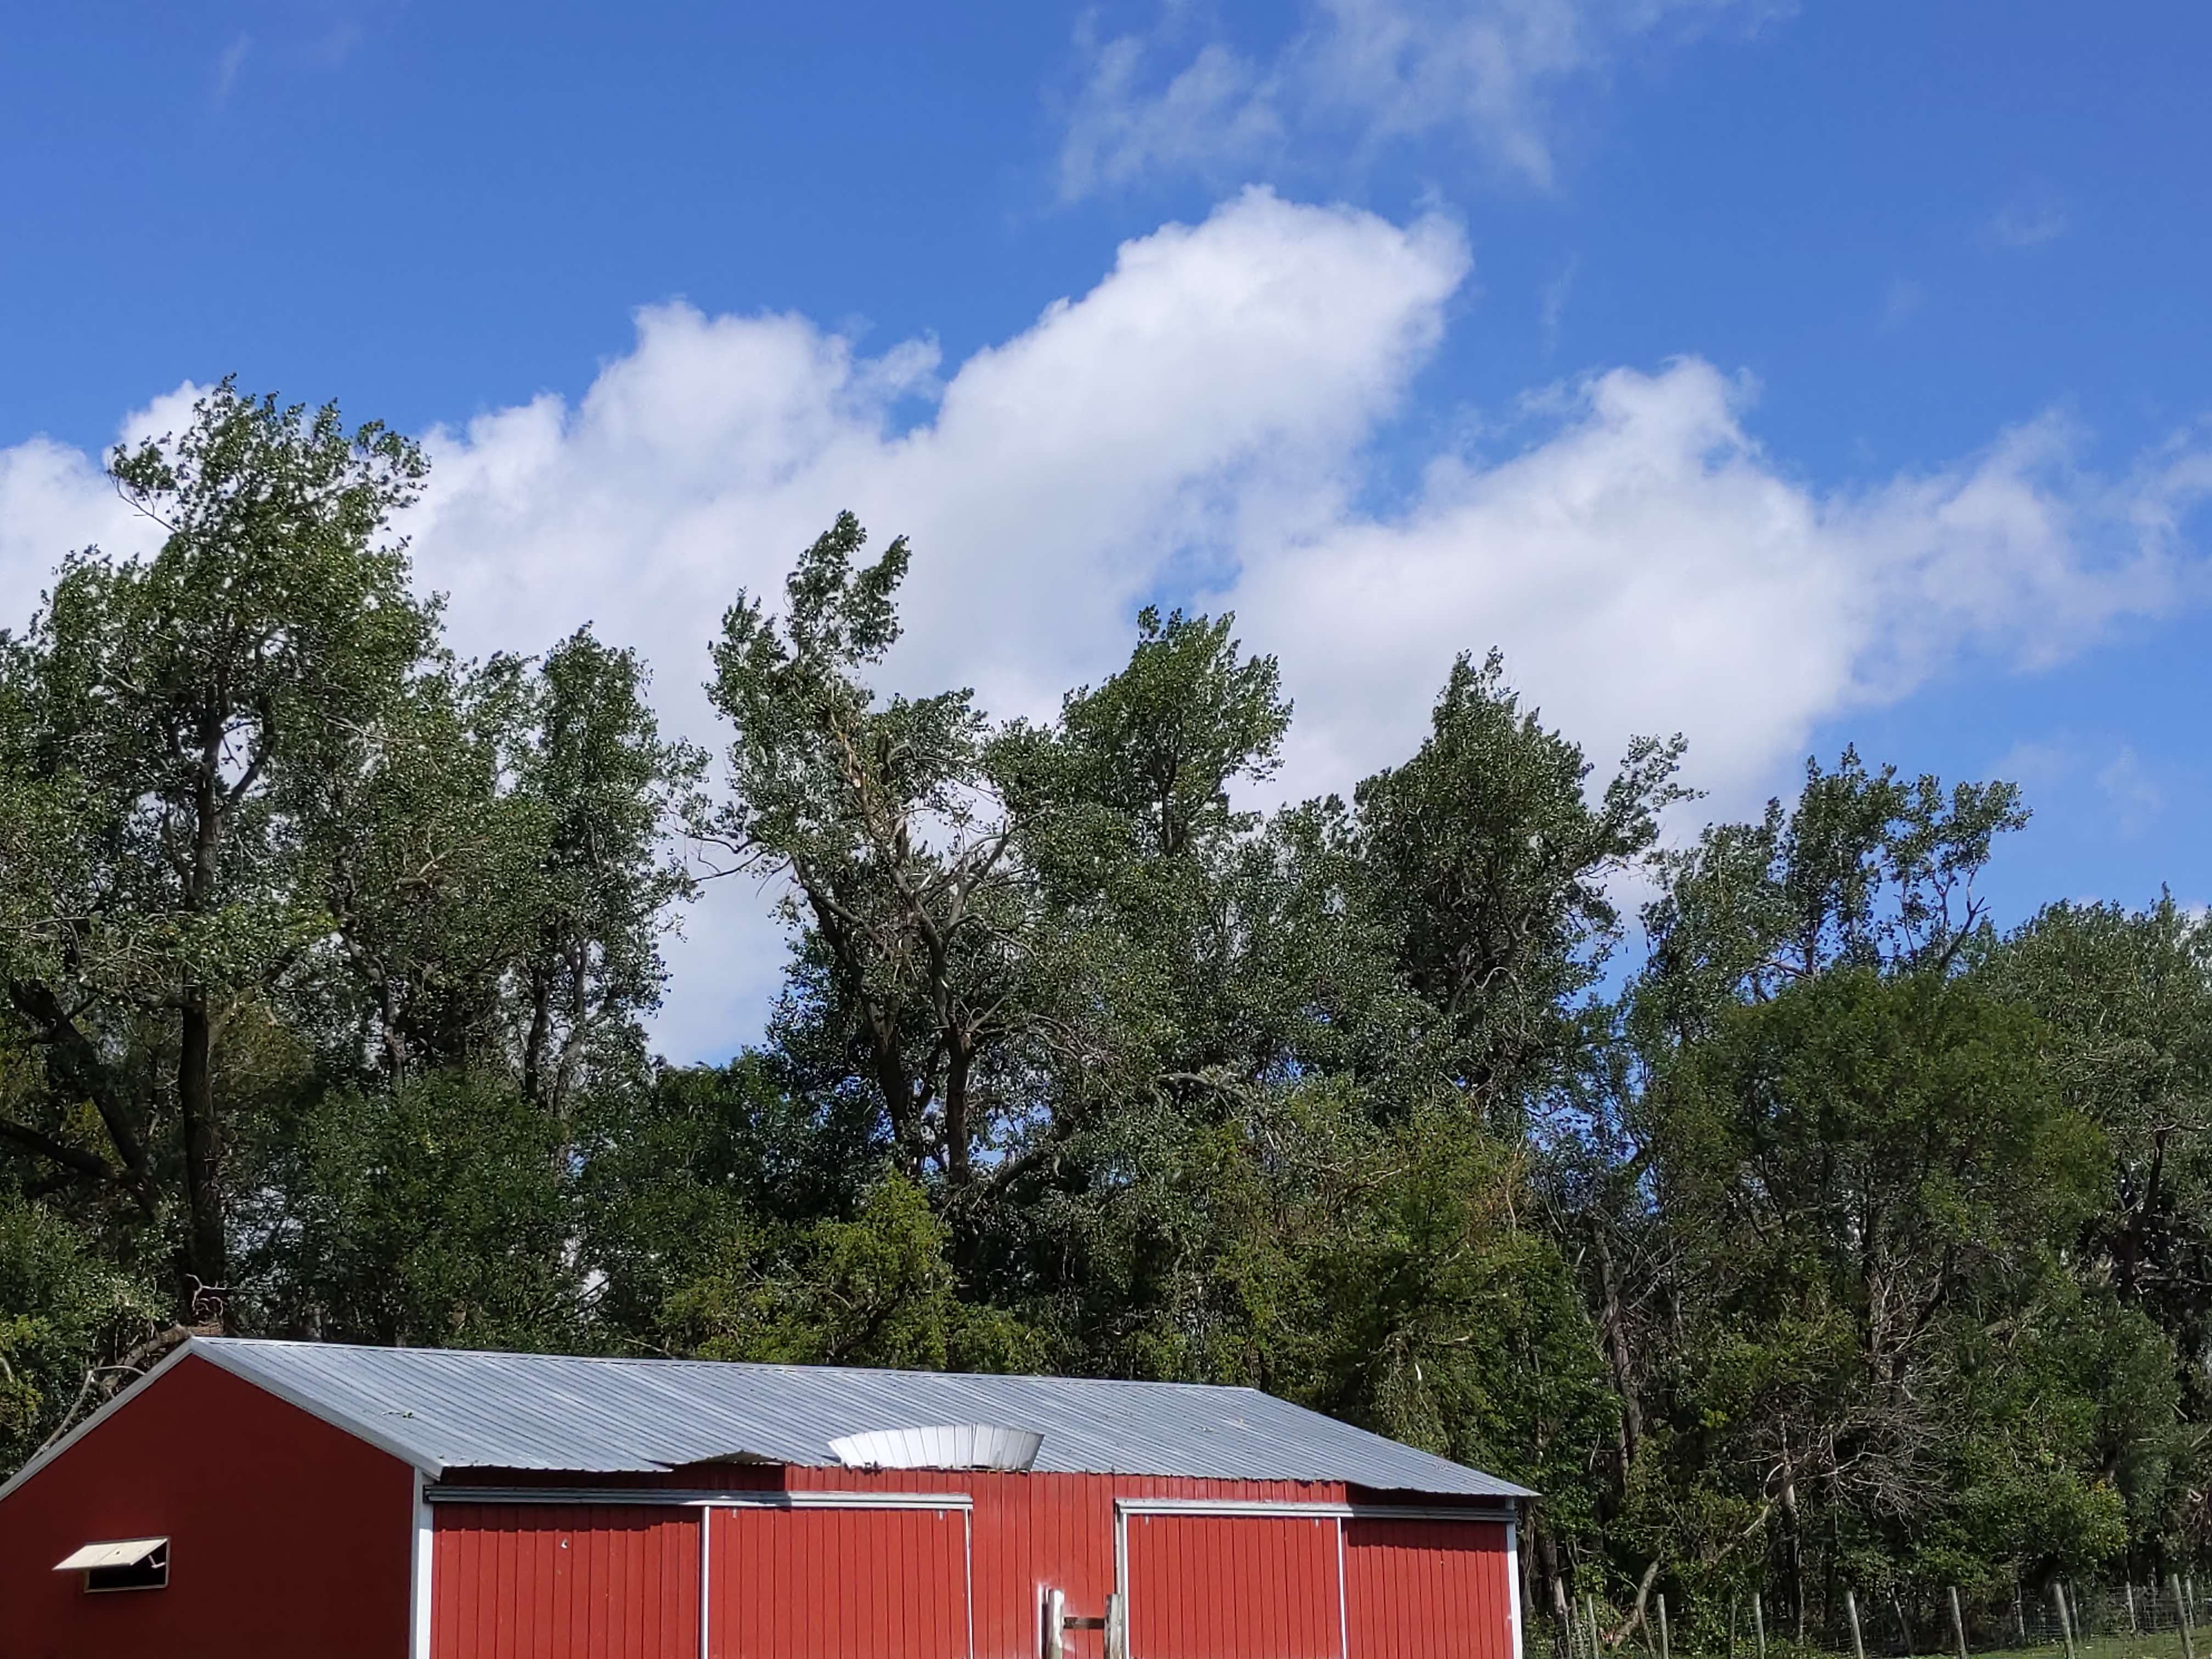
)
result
[(957, 1446)]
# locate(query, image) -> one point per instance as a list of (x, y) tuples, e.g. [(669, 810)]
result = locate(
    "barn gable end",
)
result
[(287, 1535)]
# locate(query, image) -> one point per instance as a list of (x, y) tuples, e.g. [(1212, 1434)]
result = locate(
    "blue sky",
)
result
[(1782, 375)]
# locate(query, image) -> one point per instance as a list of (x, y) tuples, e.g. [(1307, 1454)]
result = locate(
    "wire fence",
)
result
[(2148, 1619)]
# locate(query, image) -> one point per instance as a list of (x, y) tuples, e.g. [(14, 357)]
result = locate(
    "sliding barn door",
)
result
[(837, 1583), (1233, 1587), (1427, 1589)]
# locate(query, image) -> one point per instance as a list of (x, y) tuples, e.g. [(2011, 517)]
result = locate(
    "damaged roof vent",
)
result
[(957, 1446)]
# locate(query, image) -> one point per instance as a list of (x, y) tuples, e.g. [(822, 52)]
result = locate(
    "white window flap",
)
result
[(124, 1552)]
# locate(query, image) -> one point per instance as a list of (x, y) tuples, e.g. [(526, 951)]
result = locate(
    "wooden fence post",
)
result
[(1663, 1653), (2134, 1629), (1958, 1623), (1590, 1620), (2065, 1622), (2181, 1611), (1851, 1608), (1759, 1624)]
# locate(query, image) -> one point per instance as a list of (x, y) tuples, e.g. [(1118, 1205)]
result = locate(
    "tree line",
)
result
[(1806, 1229)]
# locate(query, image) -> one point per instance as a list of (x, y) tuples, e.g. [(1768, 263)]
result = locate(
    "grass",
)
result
[(2150, 1644)]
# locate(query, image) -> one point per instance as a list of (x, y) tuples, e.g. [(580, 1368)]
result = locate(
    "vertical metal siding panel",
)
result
[(445, 1575), (533, 1582), (1206, 1589), (620, 1611), (990, 1588), (549, 1566), (503, 1591), (774, 1602), (1452, 1592), (879, 1593), (524, 1596), (681, 1587), (568, 1566), (915, 1557), (485, 1613), (482, 1605), (1257, 1567)]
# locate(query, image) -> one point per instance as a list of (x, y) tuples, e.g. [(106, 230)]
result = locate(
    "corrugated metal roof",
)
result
[(445, 1409)]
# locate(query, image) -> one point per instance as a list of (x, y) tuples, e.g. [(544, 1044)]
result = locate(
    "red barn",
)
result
[(279, 1499)]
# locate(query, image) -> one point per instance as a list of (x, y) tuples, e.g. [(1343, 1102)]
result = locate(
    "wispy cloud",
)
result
[(2024, 224), (1901, 302), (335, 44), (1552, 305), (227, 65), (1357, 75), (2136, 794)]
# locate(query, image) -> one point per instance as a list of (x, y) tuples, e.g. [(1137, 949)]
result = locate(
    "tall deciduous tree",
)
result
[(170, 717), (883, 821), (1492, 868)]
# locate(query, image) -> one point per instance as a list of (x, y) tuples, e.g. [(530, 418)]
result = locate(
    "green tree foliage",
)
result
[(171, 718), (432, 1214), (1816, 1234), (1492, 869), (883, 822), (873, 1290)]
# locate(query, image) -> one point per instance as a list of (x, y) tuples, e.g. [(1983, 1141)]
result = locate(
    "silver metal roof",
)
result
[(444, 1409)]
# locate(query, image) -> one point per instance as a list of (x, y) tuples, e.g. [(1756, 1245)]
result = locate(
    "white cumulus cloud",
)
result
[(1196, 428)]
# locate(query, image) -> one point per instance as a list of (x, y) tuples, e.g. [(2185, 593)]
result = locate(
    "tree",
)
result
[(1160, 742), (2125, 999), (1865, 869), (433, 1215), (169, 718), (875, 1289), (1833, 1187), (498, 871), (672, 1166), (1492, 869), (917, 933), (606, 786), (67, 1318)]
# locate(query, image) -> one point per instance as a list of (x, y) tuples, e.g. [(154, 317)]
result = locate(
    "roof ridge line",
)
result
[(809, 1368)]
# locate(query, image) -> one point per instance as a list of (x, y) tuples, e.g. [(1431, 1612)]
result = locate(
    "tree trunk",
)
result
[(959, 1056), (891, 1079), (572, 1047), (206, 1254), (541, 1032), (1613, 1325)]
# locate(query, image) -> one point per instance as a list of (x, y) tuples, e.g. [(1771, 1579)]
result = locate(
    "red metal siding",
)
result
[(287, 1536), (1034, 1533), (1427, 1589), (1233, 1587), (817, 1582), (838, 1584), (538, 1581)]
